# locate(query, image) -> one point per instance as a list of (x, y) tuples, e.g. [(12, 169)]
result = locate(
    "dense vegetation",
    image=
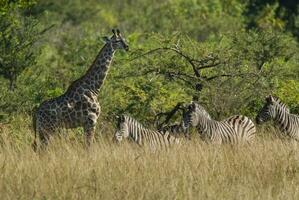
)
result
[(228, 55)]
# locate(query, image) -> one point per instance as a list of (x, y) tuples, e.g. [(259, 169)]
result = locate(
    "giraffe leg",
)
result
[(89, 130), (44, 138), (89, 136), (43, 133)]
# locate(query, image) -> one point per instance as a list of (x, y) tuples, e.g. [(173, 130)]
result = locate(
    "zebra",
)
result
[(274, 109), (130, 128), (175, 129), (234, 129)]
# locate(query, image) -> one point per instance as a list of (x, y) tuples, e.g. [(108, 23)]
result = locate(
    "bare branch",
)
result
[(177, 51), (229, 75), (168, 115)]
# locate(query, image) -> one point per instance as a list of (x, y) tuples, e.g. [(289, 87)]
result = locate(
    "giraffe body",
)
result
[(78, 106)]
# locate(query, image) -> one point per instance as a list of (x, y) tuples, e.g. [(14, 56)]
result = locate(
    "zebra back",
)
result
[(130, 128), (244, 127)]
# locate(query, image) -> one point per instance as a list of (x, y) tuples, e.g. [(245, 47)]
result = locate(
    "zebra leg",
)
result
[(187, 135)]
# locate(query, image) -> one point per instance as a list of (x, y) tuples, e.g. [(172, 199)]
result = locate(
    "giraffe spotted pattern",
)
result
[(78, 106)]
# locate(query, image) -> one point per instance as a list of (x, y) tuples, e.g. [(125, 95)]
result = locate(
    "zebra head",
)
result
[(122, 128), (270, 109), (193, 114)]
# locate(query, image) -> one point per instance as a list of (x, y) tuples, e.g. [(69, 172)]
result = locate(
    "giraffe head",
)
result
[(117, 41)]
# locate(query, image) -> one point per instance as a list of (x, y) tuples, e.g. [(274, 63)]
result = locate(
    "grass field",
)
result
[(267, 169)]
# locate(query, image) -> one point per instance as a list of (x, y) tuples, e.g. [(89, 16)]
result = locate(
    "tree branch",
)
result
[(177, 51), (168, 115)]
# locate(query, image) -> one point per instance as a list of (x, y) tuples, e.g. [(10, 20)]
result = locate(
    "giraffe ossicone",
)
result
[(78, 106)]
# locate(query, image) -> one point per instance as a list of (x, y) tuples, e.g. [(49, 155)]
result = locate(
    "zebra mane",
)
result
[(201, 109), (128, 118), (279, 103), (131, 120)]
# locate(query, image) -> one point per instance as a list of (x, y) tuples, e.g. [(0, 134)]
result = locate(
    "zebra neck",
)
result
[(135, 132), (204, 126), (281, 119)]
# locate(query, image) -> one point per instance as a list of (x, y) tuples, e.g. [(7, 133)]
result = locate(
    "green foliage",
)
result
[(235, 71), (248, 45), (6, 5), (288, 91), (17, 37), (273, 14)]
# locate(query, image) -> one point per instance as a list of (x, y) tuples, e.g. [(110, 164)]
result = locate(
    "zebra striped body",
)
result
[(233, 130), (128, 127), (178, 129), (274, 109)]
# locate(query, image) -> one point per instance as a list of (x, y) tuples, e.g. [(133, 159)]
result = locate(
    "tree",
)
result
[(18, 35), (228, 75)]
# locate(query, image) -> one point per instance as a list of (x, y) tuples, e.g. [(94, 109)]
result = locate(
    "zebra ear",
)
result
[(273, 99), (121, 118), (270, 99), (193, 105)]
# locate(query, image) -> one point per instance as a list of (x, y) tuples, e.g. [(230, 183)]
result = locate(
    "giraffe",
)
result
[(78, 106)]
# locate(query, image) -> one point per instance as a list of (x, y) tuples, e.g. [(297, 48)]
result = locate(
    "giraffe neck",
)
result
[(96, 74)]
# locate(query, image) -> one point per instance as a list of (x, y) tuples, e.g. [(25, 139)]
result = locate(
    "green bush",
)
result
[(251, 49)]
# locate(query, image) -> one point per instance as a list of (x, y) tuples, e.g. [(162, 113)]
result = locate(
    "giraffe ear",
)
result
[(106, 39)]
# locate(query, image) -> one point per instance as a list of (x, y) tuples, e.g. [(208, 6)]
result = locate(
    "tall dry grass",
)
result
[(267, 169)]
